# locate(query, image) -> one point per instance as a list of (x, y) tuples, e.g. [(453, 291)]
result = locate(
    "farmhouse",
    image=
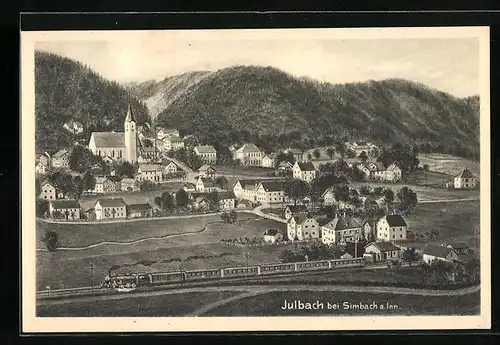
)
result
[(377, 171), (117, 145), (149, 172), (304, 171), (329, 197), (393, 173), (205, 185), (117, 180), (110, 208), (139, 211), (163, 132), (246, 189), (302, 228), (60, 159), (340, 230), (67, 209), (172, 143), (129, 185), (201, 203), (465, 180), (270, 192), (104, 185), (269, 160), (285, 166), (392, 228), (249, 155), (365, 170), (460, 248), (434, 252), (48, 191), (206, 171), (207, 154), (292, 210), (169, 167), (189, 187), (272, 236), (227, 201), (382, 251)]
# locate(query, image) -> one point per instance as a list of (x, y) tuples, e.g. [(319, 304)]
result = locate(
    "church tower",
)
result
[(130, 137)]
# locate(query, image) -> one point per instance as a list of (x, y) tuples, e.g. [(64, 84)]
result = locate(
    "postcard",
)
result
[(255, 180)]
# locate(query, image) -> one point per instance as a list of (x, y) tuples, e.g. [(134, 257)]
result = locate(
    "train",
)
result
[(135, 280)]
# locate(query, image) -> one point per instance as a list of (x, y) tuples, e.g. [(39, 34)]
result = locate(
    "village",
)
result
[(347, 202)]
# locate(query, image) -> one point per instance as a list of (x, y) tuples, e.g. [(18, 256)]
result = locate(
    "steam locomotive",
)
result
[(134, 280)]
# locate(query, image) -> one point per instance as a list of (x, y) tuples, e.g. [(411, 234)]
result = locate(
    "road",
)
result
[(448, 200)]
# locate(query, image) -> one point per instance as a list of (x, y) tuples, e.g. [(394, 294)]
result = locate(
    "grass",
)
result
[(448, 164), (166, 305), (245, 171), (271, 304), (203, 250)]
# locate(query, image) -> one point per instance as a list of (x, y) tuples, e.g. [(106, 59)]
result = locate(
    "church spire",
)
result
[(130, 116)]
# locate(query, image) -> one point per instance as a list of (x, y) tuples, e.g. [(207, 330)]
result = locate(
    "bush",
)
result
[(51, 240)]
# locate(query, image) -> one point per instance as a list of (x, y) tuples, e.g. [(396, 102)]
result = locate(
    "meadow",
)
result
[(448, 164)]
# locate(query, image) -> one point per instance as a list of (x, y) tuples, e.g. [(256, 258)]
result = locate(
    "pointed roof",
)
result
[(130, 115), (437, 251), (395, 220), (113, 202), (273, 186), (465, 174), (306, 166), (383, 246), (108, 139), (248, 147), (342, 223)]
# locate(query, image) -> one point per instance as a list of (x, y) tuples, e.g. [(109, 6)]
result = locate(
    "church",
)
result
[(119, 146)]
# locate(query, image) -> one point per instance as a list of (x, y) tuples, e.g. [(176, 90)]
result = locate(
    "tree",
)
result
[(80, 158), (147, 142), (286, 256), (284, 157), (363, 156), (158, 202), (167, 202), (389, 196), (88, 181), (233, 216), (364, 190), (221, 181), (213, 198), (351, 153), (309, 157), (51, 240), (181, 198), (330, 152), (147, 185), (342, 192), (410, 256), (340, 148), (296, 189), (407, 197), (225, 217), (77, 186), (42, 207), (125, 169), (426, 167), (316, 153)]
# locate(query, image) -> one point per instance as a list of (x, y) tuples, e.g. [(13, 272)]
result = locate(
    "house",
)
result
[(117, 145), (460, 248), (298, 154), (41, 168), (189, 187), (393, 173), (48, 191), (391, 228), (205, 185), (355, 249), (285, 166), (201, 203), (328, 196), (246, 189), (382, 251), (139, 211), (150, 172), (104, 185), (249, 155), (117, 180), (435, 252), (164, 132), (68, 209), (44, 158), (365, 170), (150, 152), (172, 143), (368, 229), (377, 171), (206, 171), (227, 201), (130, 185), (465, 180), (272, 236), (60, 159), (73, 127), (302, 228), (110, 208), (207, 154), (304, 171), (340, 230), (292, 210), (269, 160), (169, 167), (360, 146), (270, 192)]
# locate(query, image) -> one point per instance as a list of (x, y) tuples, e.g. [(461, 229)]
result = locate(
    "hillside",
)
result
[(67, 90), (273, 108), (158, 96)]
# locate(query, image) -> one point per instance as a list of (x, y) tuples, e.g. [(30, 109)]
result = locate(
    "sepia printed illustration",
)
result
[(220, 174)]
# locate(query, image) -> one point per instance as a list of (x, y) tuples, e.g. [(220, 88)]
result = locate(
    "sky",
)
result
[(448, 64)]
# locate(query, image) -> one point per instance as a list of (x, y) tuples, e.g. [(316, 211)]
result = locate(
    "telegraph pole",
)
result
[(246, 255)]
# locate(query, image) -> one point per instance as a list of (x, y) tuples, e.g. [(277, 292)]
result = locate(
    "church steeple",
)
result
[(130, 115)]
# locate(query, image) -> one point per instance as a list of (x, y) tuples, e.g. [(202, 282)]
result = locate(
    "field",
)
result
[(271, 304), (448, 164), (166, 305), (64, 269)]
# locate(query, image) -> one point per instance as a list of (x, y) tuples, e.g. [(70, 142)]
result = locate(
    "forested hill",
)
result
[(272, 108), (66, 90)]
